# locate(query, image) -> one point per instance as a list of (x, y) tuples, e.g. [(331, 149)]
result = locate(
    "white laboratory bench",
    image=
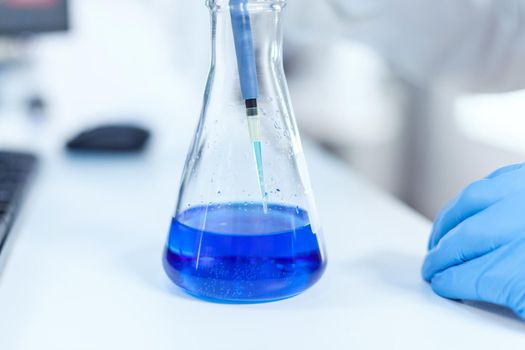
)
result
[(84, 264), (84, 270)]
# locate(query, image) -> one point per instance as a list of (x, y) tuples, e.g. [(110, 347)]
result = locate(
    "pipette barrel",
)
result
[(242, 34)]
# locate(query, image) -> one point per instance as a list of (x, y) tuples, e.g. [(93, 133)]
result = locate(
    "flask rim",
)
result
[(251, 4)]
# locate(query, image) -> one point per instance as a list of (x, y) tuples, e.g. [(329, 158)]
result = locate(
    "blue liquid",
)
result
[(237, 253)]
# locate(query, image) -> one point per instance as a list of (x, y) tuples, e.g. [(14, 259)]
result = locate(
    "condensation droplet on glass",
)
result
[(277, 125)]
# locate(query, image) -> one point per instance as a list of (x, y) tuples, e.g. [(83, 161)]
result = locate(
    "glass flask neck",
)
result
[(266, 29)]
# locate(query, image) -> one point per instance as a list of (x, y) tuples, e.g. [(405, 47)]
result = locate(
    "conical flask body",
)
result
[(246, 227)]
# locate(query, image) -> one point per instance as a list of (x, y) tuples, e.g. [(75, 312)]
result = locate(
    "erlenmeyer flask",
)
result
[(243, 232)]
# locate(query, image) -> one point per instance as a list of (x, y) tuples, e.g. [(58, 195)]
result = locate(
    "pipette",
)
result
[(242, 35)]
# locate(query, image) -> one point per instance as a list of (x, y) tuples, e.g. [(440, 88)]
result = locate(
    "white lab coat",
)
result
[(442, 48), (474, 45)]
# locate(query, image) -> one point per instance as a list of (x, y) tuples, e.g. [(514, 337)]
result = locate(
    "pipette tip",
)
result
[(257, 149)]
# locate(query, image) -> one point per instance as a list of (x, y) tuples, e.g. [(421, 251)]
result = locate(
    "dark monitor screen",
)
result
[(32, 16)]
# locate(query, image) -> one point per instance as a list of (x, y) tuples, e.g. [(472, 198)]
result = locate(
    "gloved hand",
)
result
[(477, 245)]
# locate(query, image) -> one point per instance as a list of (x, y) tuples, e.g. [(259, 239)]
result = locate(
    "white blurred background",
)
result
[(410, 93)]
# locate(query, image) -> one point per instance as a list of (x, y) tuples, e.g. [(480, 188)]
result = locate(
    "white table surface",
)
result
[(84, 269)]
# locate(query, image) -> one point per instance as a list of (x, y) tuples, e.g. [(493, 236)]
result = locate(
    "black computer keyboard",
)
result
[(15, 171)]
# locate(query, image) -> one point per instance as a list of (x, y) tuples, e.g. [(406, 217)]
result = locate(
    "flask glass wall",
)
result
[(246, 227)]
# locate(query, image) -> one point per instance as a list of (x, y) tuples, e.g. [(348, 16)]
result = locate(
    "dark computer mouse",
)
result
[(110, 138)]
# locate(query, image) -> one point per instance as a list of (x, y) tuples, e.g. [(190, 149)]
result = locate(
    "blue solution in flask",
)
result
[(238, 252)]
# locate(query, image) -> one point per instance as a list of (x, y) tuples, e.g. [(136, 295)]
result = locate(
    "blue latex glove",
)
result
[(477, 245)]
